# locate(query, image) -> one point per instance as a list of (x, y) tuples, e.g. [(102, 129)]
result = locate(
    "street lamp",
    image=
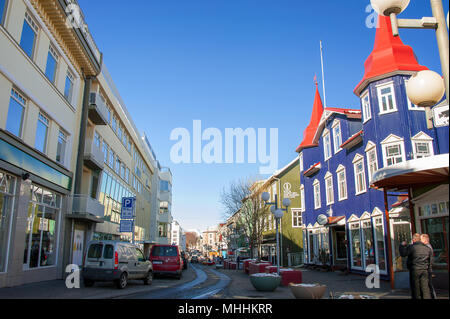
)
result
[(426, 87), (278, 214)]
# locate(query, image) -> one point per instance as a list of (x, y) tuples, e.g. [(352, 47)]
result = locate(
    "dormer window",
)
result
[(386, 98), (327, 145), (422, 145), (337, 136), (393, 150)]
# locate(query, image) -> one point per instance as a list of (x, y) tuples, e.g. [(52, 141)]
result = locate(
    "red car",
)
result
[(166, 260)]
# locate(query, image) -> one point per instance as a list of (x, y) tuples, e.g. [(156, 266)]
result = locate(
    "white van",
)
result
[(106, 260)]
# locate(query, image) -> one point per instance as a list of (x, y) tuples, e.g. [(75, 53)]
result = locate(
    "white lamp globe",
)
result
[(386, 7), (278, 213), (426, 88), (286, 202), (265, 196)]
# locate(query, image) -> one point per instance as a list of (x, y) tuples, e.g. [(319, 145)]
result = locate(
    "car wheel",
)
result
[(179, 276), (88, 283), (149, 279), (122, 282)]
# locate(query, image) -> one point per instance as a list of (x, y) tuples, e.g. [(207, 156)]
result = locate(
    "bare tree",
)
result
[(231, 198), (191, 240)]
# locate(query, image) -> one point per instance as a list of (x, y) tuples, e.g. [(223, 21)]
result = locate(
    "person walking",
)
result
[(425, 239), (405, 251), (421, 262)]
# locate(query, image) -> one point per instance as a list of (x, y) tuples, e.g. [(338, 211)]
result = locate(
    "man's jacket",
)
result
[(420, 256)]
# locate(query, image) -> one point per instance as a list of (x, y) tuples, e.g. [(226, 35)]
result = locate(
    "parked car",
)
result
[(185, 263), (166, 260), (115, 261), (194, 259)]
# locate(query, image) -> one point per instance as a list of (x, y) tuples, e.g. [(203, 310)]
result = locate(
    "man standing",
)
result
[(405, 251), (421, 262), (425, 239)]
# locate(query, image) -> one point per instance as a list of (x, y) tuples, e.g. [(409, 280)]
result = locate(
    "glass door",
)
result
[(437, 229)]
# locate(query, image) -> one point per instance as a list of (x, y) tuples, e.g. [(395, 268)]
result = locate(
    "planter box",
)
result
[(271, 269), (258, 268), (265, 283), (232, 265), (247, 264), (290, 276), (307, 291)]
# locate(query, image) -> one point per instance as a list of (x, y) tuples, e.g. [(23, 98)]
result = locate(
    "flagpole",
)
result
[(323, 75)]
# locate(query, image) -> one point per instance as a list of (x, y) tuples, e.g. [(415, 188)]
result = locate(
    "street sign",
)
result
[(440, 115), (126, 226), (322, 219), (127, 211)]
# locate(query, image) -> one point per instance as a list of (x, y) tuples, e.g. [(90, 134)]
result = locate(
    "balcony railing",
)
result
[(98, 112), (84, 204), (93, 156)]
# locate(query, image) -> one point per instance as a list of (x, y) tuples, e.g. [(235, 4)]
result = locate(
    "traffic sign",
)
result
[(126, 226), (127, 211)]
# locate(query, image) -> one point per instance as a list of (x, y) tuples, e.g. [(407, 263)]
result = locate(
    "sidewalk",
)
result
[(337, 284), (56, 289)]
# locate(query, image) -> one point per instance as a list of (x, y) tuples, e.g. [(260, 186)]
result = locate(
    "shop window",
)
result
[(7, 192), (355, 241), (379, 243)]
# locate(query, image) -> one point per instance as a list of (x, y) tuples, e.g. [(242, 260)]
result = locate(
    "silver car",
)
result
[(115, 261)]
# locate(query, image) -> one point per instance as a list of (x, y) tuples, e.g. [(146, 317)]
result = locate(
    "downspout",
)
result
[(281, 222)]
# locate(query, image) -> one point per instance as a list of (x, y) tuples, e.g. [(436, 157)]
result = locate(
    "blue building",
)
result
[(344, 218)]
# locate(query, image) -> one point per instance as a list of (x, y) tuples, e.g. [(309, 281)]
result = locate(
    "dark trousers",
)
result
[(412, 284), (422, 284), (430, 284)]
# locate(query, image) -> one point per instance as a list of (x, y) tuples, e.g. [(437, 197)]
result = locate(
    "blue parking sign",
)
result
[(127, 211), (126, 226)]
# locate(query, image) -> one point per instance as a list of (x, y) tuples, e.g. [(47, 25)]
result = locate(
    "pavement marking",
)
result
[(224, 281)]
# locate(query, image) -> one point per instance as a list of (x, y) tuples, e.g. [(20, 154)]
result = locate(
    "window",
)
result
[(61, 148), (296, 218), (355, 238), (127, 175), (97, 140), (337, 136), (164, 207), (393, 150), (274, 191), (360, 177), (41, 133), (7, 192), (316, 186), (119, 132), (105, 151), (372, 161), (68, 87), (114, 124), (111, 158), (329, 189), (365, 101), (342, 183), (386, 98), (379, 243), (52, 63), (165, 186), (3, 5), (302, 198), (327, 145), (118, 163), (300, 158), (14, 122), (422, 145), (29, 33)]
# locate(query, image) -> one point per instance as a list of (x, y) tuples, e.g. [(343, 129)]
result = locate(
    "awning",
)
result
[(413, 173), (334, 220)]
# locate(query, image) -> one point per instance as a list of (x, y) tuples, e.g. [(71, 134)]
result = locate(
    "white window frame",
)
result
[(317, 199), (377, 215), (359, 159), (45, 120), (380, 98), (274, 191), (297, 215), (302, 198), (366, 107), (342, 169), (421, 137), (29, 18), (65, 137), (337, 143), (329, 188), (393, 140), (371, 148), (300, 158), (357, 223), (327, 150)]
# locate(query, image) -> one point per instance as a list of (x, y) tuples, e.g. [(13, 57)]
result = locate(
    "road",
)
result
[(207, 283)]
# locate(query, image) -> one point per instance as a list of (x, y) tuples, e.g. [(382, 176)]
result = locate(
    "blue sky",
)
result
[(234, 63)]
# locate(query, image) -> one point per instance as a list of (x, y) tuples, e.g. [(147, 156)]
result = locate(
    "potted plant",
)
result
[(265, 281), (307, 291)]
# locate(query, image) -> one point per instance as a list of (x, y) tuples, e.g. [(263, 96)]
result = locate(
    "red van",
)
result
[(166, 260)]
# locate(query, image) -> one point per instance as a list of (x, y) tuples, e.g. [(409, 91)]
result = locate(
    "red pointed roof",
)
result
[(308, 134), (389, 55)]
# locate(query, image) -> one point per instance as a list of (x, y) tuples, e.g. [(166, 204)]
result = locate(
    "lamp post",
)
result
[(426, 88), (278, 214)]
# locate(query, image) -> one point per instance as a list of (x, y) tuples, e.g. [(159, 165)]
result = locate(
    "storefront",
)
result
[(34, 196)]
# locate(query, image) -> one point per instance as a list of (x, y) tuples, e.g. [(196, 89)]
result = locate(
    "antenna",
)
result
[(323, 75)]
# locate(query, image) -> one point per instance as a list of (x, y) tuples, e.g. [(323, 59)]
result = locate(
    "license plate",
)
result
[(158, 262)]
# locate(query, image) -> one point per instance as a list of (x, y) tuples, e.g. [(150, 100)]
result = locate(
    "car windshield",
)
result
[(95, 251), (164, 251)]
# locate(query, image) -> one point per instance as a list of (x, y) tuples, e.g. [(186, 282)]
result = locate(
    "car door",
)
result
[(141, 264), (132, 262)]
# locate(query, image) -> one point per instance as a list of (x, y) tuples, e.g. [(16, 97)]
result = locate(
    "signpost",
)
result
[(127, 215)]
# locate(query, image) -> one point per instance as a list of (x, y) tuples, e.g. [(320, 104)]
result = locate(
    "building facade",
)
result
[(344, 220)]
